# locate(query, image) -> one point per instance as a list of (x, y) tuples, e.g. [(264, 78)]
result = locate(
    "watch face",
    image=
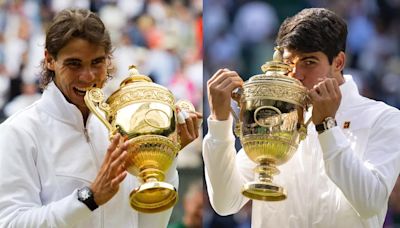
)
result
[(84, 194), (330, 123)]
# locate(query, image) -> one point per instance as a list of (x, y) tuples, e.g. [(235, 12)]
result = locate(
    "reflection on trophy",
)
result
[(144, 113), (270, 124)]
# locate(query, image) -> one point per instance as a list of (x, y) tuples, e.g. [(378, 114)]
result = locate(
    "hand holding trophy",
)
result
[(270, 124), (144, 113)]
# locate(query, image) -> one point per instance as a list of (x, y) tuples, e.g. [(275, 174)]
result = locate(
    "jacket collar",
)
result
[(350, 93), (54, 104)]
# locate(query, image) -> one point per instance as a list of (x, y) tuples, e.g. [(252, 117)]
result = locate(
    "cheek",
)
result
[(319, 74), (313, 77), (100, 71), (66, 75), (101, 79)]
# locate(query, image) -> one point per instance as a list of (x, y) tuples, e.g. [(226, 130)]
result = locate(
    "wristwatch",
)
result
[(328, 123), (85, 195)]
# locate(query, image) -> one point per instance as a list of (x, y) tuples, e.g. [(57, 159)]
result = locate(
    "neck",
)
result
[(340, 79), (85, 114)]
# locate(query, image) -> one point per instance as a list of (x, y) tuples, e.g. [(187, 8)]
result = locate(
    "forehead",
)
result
[(81, 49), (296, 55)]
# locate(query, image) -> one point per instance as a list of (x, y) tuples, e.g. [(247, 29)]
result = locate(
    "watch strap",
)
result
[(320, 127)]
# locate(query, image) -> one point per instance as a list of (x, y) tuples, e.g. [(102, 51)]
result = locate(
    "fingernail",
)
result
[(181, 117)]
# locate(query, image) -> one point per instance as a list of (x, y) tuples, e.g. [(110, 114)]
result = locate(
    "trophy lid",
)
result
[(277, 64), (138, 88), (276, 69), (275, 83), (135, 76)]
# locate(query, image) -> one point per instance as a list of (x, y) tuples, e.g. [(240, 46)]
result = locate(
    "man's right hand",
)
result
[(220, 87), (112, 171)]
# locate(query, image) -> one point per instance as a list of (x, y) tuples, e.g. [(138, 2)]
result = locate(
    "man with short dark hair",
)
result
[(343, 173)]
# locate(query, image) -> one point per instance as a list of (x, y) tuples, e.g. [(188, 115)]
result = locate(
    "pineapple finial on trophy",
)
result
[(277, 65), (277, 54), (133, 70), (135, 76)]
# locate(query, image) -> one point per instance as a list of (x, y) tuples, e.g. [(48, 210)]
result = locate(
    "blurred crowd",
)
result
[(240, 35), (162, 38)]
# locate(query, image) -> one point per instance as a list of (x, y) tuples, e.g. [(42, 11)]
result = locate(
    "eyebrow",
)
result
[(99, 58), (309, 58), (72, 59), (76, 59)]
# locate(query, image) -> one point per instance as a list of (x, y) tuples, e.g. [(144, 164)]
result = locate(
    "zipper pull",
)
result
[(85, 132)]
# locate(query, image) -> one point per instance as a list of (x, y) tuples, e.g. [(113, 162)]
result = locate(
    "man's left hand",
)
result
[(325, 98)]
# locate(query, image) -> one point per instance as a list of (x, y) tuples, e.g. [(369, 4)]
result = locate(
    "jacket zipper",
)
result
[(85, 132), (92, 150)]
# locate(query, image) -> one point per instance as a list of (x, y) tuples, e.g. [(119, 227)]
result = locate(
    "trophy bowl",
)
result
[(270, 125), (145, 114)]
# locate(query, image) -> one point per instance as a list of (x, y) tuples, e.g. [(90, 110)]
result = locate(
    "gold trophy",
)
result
[(270, 124), (144, 113)]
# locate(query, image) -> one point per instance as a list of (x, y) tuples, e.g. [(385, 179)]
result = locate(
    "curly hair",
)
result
[(69, 24), (312, 30)]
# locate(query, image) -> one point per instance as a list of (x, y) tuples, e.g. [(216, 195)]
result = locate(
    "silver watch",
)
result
[(328, 123)]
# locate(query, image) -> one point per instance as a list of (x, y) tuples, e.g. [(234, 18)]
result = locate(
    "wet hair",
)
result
[(312, 30), (67, 25)]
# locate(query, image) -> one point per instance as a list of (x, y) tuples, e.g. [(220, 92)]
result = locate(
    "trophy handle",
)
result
[(185, 105), (302, 127), (236, 96), (236, 130), (95, 98)]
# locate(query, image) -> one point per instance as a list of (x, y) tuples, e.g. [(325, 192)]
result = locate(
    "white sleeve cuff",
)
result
[(220, 130), (71, 209), (332, 142)]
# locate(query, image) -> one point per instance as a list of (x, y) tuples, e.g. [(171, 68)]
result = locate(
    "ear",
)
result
[(49, 60), (339, 62)]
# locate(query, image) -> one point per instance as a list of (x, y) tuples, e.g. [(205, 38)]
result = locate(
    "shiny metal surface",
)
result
[(144, 113), (270, 125)]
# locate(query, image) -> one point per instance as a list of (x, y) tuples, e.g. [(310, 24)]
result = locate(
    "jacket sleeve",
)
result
[(367, 180), (20, 187), (161, 219), (225, 171)]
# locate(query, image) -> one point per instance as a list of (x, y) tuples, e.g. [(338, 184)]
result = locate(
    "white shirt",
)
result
[(46, 154), (340, 178)]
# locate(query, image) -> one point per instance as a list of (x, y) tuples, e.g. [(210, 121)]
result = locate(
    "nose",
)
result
[(87, 75), (295, 73)]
